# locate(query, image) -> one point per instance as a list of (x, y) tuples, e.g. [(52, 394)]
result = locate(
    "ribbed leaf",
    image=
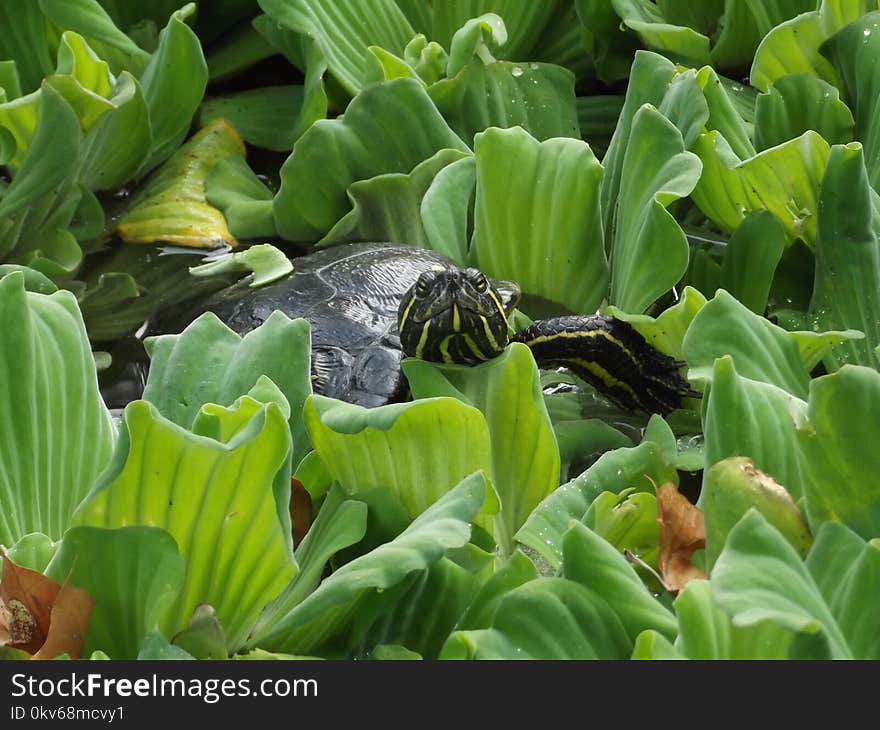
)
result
[(649, 252), (215, 495), (55, 433), (529, 193), (344, 29), (365, 448), (133, 573), (327, 612), (508, 392), (333, 154)]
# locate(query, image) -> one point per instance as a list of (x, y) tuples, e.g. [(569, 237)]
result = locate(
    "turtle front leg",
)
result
[(610, 355)]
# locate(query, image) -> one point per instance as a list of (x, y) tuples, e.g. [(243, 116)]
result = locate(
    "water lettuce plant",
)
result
[(708, 173)]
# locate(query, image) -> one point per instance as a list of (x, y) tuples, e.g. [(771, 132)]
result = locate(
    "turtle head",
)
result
[(455, 315)]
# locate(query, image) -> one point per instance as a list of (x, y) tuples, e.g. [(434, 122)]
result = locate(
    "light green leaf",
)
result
[(784, 179), (732, 487), (172, 96), (794, 46), (507, 391), (538, 97), (547, 618), (591, 561), (209, 363), (761, 350), (328, 611), (627, 521), (707, 632), (240, 195), (681, 43), (753, 253), (266, 262), (33, 551), (55, 433), (731, 111), (447, 208), (649, 252), (846, 292), (388, 207), (333, 154), (262, 116), (614, 472), (384, 447), (344, 30), (837, 448), (847, 569), (759, 577), (518, 181), (745, 417), (793, 104), (133, 573), (215, 495), (516, 571)]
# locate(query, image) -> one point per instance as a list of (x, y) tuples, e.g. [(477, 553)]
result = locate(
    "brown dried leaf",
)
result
[(300, 510), (682, 532), (70, 623), (27, 598)]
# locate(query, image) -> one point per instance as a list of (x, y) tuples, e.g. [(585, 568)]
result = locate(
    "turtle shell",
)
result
[(350, 296)]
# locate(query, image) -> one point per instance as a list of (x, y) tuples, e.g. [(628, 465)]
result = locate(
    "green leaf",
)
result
[(546, 618), (759, 577), (266, 262), (204, 637), (171, 206), (55, 432), (794, 46), (447, 208), (216, 495), (518, 181), (707, 632), (327, 612), (846, 292), (244, 200), (733, 486), (388, 207), (761, 350), (209, 363), (262, 116), (33, 280), (173, 97), (784, 179), (649, 252), (846, 569), (591, 561), (507, 391), (33, 551), (614, 472), (731, 111), (627, 521), (649, 80), (538, 97), (333, 154), (26, 42), (516, 571), (837, 449), (681, 43), (133, 573), (384, 447), (339, 524), (753, 253), (796, 103), (744, 417), (344, 31)]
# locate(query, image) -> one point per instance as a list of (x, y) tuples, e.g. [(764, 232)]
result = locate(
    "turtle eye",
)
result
[(422, 285)]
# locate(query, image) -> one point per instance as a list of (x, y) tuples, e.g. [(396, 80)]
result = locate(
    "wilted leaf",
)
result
[(27, 597), (682, 532), (68, 623)]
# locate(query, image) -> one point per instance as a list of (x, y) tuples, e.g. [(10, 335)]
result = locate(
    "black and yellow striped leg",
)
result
[(610, 355)]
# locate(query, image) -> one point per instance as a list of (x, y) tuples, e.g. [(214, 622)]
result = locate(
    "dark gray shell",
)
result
[(350, 295)]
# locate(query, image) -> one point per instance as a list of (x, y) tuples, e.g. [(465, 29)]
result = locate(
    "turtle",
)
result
[(369, 305)]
